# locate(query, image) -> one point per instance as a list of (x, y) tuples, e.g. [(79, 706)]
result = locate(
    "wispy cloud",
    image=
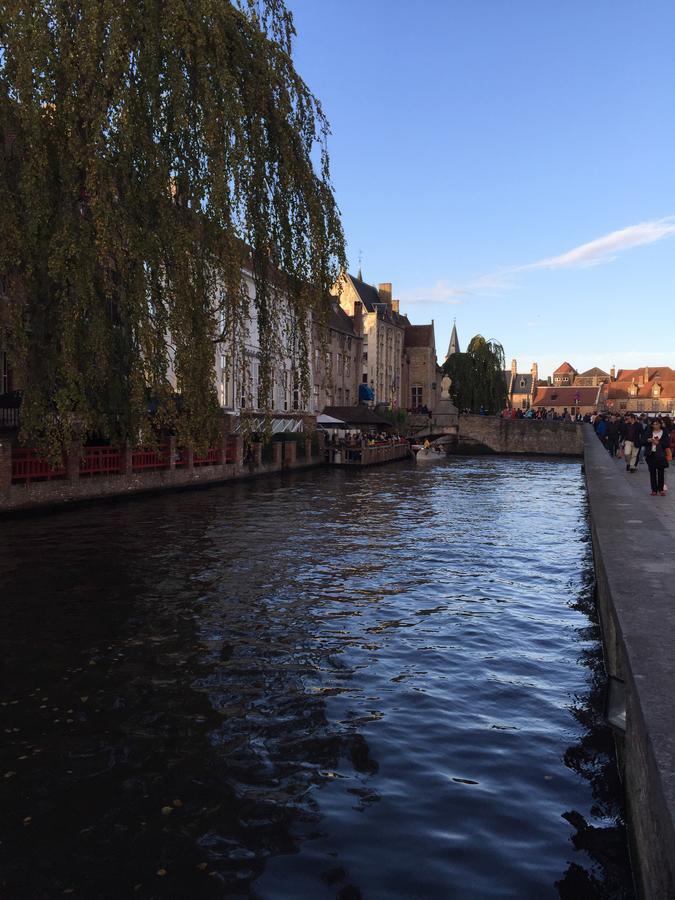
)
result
[(441, 292), (606, 249), (597, 252)]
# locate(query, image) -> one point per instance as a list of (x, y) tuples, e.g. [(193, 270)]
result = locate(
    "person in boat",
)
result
[(426, 444)]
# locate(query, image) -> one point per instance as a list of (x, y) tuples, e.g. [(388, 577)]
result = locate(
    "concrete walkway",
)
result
[(634, 551), (637, 485)]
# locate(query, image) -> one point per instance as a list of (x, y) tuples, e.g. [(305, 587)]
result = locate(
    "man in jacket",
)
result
[(632, 443), (613, 435)]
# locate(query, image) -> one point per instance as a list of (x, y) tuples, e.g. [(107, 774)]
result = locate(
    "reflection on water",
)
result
[(374, 684)]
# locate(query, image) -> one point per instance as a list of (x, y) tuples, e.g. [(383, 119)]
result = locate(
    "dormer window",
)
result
[(522, 382), (633, 390), (656, 390)]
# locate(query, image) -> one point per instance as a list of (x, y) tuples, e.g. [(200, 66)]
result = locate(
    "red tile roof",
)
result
[(565, 369), (657, 373), (621, 390), (566, 396)]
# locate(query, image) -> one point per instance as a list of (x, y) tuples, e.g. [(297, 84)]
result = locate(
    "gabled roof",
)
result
[(367, 293), (373, 303), (419, 336), (565, 369), (527, 387), (595, 372)]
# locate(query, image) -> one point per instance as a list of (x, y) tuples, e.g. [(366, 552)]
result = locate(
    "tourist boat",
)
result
[(428, 454)]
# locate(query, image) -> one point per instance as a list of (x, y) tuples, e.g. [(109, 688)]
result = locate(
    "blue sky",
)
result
[(510, 164)]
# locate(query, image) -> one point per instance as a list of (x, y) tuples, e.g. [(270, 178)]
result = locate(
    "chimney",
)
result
[(384, 290), (358, 318), (535, 374), (612, 374), (646, 375), (514, 368), (395, 305)]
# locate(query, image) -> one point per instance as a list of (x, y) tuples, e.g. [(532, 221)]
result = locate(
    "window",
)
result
[(347, 397), (316, 398), (522, 382), (416, 396), (339, 396), (623, 404), (364, 379), (524, 404)]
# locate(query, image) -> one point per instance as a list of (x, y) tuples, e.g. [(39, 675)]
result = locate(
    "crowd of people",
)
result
[(633, 437), (543, 413)]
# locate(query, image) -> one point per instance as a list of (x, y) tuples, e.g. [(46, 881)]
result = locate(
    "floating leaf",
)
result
[(161, 872), (167, 810)]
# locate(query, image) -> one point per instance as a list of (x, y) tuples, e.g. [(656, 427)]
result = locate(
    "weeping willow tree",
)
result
[(477, 376), (153, 150)]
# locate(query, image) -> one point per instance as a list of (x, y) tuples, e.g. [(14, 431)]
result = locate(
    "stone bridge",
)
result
[(491, 434)]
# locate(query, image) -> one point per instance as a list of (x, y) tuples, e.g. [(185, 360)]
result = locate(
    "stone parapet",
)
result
[(635, 569), (492, 434)]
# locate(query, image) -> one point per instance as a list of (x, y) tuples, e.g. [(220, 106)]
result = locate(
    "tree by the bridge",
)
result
[(477, 376), (151, 149)]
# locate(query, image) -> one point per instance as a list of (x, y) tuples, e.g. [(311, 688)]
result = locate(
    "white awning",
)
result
[(329, 421)]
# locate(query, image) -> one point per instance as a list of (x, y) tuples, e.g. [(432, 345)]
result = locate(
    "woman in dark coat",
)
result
[(655, 456)]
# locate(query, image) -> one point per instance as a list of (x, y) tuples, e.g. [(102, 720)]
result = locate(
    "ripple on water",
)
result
[(377, 684)]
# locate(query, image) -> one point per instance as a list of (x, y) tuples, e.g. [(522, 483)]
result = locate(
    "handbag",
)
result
[(669, 454)]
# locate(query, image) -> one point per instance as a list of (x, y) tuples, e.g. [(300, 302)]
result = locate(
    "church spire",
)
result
[(453, 347)]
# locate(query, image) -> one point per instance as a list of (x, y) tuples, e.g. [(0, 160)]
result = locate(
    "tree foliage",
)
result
[(153, 148), (477, 376)]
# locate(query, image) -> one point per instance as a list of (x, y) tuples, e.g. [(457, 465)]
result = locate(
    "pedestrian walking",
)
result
[(657, 458), (632, 443)]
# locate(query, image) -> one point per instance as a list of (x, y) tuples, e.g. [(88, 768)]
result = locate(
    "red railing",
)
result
[(27, 466), (210, 458), (143, 458), (101, 461)]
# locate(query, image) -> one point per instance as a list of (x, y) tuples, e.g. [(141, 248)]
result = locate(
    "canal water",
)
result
[(376, 684)]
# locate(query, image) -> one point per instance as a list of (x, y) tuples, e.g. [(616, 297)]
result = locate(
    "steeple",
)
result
[(454, 342)]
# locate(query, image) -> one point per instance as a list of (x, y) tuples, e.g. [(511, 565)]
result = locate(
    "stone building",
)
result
[(420, 368), (336, 371), (383, 335), (571, 391), (567, 398), (648, 390), (521, 387)]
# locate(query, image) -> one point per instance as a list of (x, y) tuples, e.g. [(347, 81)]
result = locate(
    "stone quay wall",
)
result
[(74, 486), (492, 434), (635, 572)]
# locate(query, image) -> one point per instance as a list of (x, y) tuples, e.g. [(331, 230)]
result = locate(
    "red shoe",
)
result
[(653, 493), (662, 493)]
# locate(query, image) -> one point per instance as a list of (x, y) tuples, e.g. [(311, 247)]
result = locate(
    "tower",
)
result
[(453, 347)]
